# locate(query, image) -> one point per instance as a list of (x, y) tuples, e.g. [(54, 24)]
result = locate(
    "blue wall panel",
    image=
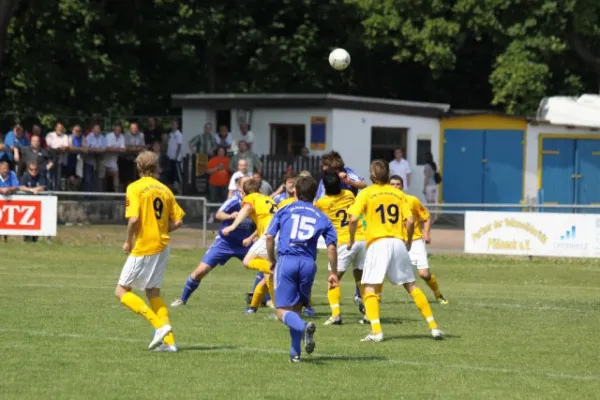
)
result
[(463, 172), (503, 169), (558, 168), (588, 172)]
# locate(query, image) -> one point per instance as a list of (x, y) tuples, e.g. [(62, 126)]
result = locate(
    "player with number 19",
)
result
[(299, 226)]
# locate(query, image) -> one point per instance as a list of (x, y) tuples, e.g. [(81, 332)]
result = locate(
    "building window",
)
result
[(385, 140), (423, 147), (287, 139)]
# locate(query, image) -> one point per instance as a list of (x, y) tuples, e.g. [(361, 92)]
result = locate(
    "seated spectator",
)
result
[(9, 183), (218, 181), (115, 143), (32, 181), (265, 187), (13, 141), (36, 154), (93, 144), (224, 138), (244, 153), (36, 130), (164, 164)]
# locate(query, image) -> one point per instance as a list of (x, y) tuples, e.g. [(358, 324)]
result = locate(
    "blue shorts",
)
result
[(294, 277), (221, 251)]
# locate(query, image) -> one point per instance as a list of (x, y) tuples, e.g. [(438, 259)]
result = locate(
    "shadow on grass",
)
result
[(206, 348)]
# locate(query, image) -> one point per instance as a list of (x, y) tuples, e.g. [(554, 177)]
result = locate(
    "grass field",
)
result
[(515, 330)]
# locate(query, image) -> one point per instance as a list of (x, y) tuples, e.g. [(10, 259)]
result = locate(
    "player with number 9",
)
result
[(260, 208), (153, 213), (386, 210)]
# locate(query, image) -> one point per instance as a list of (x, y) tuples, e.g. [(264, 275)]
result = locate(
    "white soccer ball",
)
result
[(339, 59)]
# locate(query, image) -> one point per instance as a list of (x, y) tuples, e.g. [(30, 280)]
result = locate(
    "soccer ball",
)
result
[(339, 59)]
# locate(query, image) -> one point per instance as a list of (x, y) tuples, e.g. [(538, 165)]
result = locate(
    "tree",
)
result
[(7, 10)]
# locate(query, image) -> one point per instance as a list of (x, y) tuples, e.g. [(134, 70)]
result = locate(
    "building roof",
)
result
[(327, 100)]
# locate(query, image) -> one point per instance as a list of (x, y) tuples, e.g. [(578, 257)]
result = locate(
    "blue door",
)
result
[(587, 178), (463, 173), (558, 171), (503, 167)]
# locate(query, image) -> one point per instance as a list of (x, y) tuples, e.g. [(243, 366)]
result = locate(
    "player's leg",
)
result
[(160, 309), (377, 261), (260, 292), (256, 260), (419, 258), (334, 295), (259, 277)]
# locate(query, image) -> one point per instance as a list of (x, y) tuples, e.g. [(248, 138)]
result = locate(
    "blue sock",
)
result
[(296, 348), (294, 321), (189, 288), (357, 292)]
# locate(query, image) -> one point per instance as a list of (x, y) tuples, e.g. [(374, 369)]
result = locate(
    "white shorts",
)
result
[(259, 248), (387, 256), (354, 257), (145, 272), (418, 254)]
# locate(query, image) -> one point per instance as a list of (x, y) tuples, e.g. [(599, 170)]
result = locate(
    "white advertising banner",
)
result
[(28, 215), (532, 234)]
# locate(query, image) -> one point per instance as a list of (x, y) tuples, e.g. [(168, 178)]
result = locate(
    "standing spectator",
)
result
[(242, 171), (254, 163), (58, 141), (399, 166), (175, 153), (13, 141), (205, 143), (164, 164), (115, 143), (432, 180), (72, 170), (36, 130), (265, 187), (94, 144), (247, 136), (152, 132), (34, 182), (134, 143), (218, 181), (223, 138), (36, 154)]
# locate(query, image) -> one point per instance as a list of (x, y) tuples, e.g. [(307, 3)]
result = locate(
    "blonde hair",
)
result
[(147, 163), (305, 173), (380, 172)]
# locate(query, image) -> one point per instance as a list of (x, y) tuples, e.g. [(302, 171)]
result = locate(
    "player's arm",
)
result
[(279, 190), (270, 239), (246, 242), (355, 211), (132, 226), (426, 218), (330, 237), (224, 212), (174, 225), (352, 179), (242, 215), (176, 215), (409, 220)]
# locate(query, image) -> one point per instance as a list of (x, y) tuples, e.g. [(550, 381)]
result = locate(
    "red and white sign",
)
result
[(28, 215)]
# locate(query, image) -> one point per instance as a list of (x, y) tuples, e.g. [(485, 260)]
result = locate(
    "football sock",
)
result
[(190, 286), (378, 290), (296, 342), (372, 311), (270, 287), (260, 264), (161, 311), (138, 306), (423, 306), (259, 277), (334, 295), (433, 285), (293, 320), (259, 294), (358, 291)]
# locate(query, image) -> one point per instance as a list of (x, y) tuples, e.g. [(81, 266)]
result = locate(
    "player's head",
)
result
[(332, 161), (250, 186), (147, 163), (289, 181), (332, 183), (380, 172), (397, 182), (305, 173), (306, 188)]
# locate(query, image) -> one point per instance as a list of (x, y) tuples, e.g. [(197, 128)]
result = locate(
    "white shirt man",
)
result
[(175, 146), (241, 172), (57, 140), (246, 135), (114, 141), (399, 166)]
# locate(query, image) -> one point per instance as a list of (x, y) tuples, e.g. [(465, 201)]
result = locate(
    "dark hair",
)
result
[(251, 186), (306, 188), (216, 151), (397, 178), (289, 175), (332, 184), (429, 161), (333, 160)]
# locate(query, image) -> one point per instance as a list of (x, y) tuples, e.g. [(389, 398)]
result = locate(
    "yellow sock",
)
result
[(260, 264), (433, 285), (271, 287), (372, 312), (423, 306), (138, 306), (334, 295), (161, 311), (378, 290), (259, 294)]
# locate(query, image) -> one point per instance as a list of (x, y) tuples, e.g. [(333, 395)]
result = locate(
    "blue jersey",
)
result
[(353, 176), (235, 238), (299, 226), (280, 197)]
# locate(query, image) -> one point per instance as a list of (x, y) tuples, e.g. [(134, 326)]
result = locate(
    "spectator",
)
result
[(36, 130), (152, 133), (34, 182), (93, 145), (115, 143), (218, 180), (164, 164), (254, 163), (265, 187), (432, 180), (13, 141), (59, 142), (205, 143), (35, 154), (134, 143), (247, 136), (9, 183), (399, 166), (175, 153), (223, 138), (72, 169), (302, 162), (242, 171)]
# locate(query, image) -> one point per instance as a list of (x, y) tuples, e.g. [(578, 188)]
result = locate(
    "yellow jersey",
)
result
[(385, 209), (336, 209), (263, 209), (154, 205), (419, 213), (286, 202)]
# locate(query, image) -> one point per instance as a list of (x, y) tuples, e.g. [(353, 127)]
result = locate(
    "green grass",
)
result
[(515, 329)]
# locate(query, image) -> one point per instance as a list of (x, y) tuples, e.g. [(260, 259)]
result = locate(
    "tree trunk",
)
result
[(7, 10)]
